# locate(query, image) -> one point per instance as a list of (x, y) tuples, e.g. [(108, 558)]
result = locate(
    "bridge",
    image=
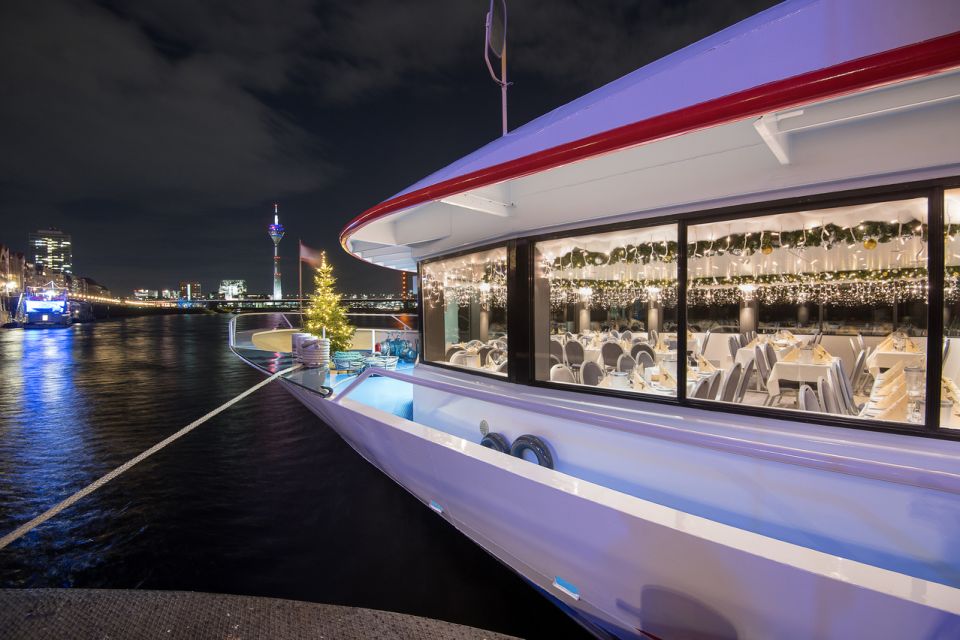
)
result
[(123, 306)]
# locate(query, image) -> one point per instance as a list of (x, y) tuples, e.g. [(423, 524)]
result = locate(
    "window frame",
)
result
[(420, 315), (520, 290)]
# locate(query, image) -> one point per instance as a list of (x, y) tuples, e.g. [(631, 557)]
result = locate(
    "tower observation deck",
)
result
[(276, 232)]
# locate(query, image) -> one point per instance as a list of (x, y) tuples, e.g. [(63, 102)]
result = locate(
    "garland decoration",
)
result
[(869, 234)]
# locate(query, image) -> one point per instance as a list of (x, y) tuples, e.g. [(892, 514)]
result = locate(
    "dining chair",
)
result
[(770, 353), (645, 348), (573, 354), (458, 357), (556, 349), (744, 340), (626, 363), (730, 384), (733, 345), (744, 382), (828, 399), (644, 360), (703, 345), (653, 338), (763, 368), (591, 373), (484, 352), (627, 336), (860, 373), (834, 386), (609, 353), (561, 373), (702, 388), (450, 352), (503, 367), (846, 391), (808, 400), (715, 378)]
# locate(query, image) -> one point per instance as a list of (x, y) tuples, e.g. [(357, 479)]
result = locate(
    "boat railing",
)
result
[(365, 337), (863, 467)]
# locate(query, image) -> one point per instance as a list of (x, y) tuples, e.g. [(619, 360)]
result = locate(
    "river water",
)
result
[(262, 500)]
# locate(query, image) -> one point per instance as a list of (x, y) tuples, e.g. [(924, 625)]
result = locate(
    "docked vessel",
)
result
[(688, 359), (44, 307)]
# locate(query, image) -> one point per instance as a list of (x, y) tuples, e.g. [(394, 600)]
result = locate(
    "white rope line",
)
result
[(96, 484)]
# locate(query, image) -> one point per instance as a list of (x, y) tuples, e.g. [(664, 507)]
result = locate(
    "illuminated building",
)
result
[(52, 250), (233, 289), (189, 290)]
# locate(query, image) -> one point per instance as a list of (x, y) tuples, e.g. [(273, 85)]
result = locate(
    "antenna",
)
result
[(496, 43)]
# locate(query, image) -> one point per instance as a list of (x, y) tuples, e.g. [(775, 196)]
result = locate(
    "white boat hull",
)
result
[(631, 566)]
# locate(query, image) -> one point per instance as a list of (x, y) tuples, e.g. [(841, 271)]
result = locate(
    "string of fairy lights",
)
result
[(465, 283), (573, 276)]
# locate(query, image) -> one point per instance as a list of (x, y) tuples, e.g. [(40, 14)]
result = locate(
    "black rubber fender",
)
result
[(497, 442), (535, 445)]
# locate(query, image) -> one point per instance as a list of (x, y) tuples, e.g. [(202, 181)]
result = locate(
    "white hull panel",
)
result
[(638, 565)]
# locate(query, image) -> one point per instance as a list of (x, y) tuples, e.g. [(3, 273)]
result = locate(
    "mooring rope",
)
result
[(96, 484)]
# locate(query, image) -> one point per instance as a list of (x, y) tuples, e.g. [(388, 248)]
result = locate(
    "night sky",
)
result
[(160, 132)]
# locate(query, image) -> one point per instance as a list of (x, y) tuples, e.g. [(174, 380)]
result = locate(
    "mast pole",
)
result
[(503, 84)]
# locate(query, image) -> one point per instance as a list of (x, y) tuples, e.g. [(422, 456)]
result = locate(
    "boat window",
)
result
[(821, 311), (605, 310), (465, 311), (950, 393)]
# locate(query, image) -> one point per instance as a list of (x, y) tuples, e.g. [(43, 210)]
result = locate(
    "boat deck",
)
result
[(121, 613)]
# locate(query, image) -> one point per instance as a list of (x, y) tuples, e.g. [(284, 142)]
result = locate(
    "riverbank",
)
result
[(94, 614)]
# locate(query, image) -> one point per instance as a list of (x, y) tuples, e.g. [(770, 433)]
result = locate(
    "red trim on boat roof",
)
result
[(895, 65)]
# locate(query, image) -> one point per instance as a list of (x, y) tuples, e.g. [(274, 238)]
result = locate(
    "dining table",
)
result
[(888, 401), (887, 355), (653, 382), (792, 367), (745, 355)]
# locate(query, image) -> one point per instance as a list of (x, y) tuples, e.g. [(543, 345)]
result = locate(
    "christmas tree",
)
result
[(325, 312)]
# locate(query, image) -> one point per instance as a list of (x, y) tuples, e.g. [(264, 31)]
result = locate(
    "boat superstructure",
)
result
[(687, 344), (44, 307)]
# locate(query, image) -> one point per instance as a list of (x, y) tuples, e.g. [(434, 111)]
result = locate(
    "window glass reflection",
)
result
[(605, 310), (465, 311), (819, 311)]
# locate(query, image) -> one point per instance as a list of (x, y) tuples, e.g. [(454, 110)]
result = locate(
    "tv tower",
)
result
[(276, 234)]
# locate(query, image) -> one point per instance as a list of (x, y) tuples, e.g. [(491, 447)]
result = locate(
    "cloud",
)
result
[(94, 109), (364, 48)]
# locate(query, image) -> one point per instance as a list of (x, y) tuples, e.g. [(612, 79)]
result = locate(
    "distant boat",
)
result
[(45, 307)]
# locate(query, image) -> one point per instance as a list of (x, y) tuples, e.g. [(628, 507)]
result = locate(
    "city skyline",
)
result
[(180, 182)]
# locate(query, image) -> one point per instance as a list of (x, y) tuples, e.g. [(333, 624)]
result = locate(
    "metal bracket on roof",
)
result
[(768, 126), (479, 203)]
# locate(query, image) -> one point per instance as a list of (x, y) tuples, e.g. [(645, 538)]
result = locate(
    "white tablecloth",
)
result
[(649, 389), (745, 355), (881, 360), (796, 371)]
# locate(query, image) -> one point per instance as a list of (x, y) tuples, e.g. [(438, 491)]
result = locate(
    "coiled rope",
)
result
[(96, 484)]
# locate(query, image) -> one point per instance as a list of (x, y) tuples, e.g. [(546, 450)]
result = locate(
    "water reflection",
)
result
[(262, 500)]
